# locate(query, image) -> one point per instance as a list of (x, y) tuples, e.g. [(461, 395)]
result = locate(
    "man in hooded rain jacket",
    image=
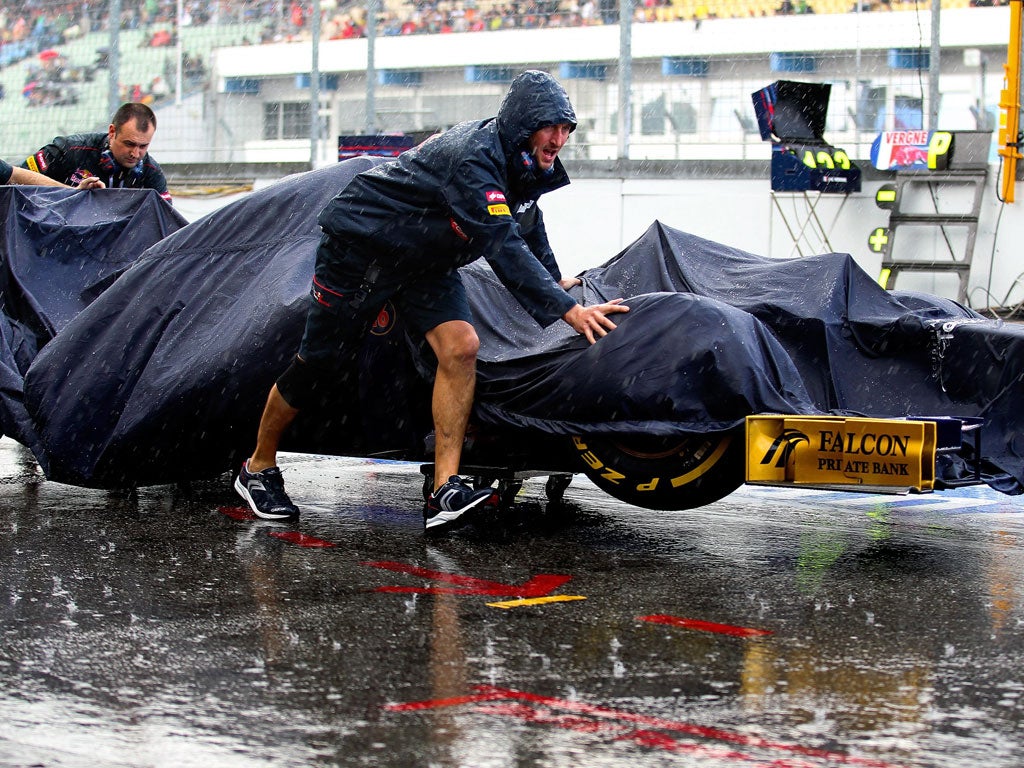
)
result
[(399, 232)]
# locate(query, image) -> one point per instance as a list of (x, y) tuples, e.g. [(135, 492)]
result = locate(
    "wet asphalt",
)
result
[(778, 627)]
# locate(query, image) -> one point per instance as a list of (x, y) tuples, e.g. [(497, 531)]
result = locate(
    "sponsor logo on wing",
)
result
[(783, 446)]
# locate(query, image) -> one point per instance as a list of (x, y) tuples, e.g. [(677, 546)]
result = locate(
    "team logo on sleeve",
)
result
[(37, 162), (386, 319), (496, 203), (457, 229)]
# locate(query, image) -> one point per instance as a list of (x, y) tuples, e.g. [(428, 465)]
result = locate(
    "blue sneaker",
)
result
[(264, 492), (446, 507)]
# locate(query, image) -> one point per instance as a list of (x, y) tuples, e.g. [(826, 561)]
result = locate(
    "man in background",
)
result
[(119, 158)]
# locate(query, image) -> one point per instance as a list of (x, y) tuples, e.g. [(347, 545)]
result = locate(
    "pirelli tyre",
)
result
[(680, 472)]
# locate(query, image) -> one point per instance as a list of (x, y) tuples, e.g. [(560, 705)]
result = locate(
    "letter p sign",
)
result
[(938, 150)]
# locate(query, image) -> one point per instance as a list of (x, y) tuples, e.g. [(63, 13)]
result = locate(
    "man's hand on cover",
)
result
[(593, 321), (91, 182), (569, 282)]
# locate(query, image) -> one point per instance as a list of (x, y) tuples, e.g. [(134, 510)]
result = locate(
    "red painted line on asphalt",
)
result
[(704, 626), (292, 537), (300, 539), (237, 513), (618, 731), (537, 586), (650, 734), (454, 701)]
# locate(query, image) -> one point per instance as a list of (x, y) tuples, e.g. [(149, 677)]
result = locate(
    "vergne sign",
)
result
[(835, 450)]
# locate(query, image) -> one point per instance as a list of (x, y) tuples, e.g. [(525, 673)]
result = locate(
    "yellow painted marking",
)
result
[(536, 601)]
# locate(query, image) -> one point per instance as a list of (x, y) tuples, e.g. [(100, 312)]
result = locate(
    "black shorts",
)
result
[(351, 290)]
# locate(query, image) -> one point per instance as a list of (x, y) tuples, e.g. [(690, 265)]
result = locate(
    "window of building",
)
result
[(285, 120)]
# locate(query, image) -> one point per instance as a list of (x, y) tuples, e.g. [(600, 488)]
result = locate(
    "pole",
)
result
[(314, 84), (933, 70), (114, 57), (178, 71), (857, 81), (371, 67), (1009, 101), (625, 75)]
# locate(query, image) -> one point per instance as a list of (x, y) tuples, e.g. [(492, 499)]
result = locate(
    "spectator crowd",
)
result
[(28, 27)]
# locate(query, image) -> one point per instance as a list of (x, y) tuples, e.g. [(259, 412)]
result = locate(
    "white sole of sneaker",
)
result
[(448, 517), (244, 493)]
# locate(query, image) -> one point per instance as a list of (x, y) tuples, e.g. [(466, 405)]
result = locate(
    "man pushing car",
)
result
[(399, 232)]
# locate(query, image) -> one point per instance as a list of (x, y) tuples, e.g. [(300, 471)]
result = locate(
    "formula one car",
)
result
[(163, 376)]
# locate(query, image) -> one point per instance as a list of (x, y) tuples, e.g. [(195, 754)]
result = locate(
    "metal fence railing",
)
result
[(62, 69)]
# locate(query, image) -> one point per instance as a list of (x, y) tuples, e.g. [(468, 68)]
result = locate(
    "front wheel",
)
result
[(679, 472)]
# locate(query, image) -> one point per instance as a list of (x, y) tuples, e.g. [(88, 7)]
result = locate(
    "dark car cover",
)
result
[(172, 386), (61, 248)]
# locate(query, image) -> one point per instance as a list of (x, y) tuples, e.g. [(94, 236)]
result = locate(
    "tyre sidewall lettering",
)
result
[(670, 473), (701, 459)]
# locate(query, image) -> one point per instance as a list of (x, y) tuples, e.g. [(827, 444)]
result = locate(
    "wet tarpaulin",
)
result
[(715, 333), (173, 387), (60, 249)]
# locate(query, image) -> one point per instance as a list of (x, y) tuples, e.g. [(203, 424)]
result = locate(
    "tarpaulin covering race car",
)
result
[(163, 377), (60, 249)]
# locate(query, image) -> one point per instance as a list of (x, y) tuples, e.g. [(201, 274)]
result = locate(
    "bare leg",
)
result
[(455, 343), (277, 415)]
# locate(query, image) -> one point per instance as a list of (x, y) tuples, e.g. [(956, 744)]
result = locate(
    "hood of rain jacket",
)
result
[(462, 195)]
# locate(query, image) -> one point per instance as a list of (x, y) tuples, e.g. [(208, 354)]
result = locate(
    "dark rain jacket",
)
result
[(468, 192), (5, 172), (69, 159)]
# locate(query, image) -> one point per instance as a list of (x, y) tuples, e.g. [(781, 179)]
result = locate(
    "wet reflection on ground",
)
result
[(777, 627)]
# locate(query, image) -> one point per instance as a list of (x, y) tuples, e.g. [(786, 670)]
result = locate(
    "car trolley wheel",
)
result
[(508, 489), (555, 487), (680, 472), (482, 481)]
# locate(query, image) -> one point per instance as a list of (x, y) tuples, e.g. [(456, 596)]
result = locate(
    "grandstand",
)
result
[(85, 103), (690, 90)]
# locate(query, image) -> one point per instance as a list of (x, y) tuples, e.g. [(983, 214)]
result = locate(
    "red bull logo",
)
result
[(385, 322)]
